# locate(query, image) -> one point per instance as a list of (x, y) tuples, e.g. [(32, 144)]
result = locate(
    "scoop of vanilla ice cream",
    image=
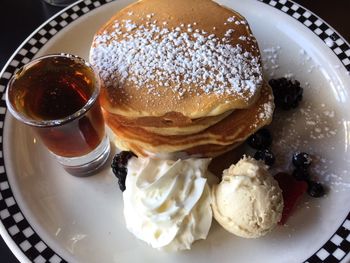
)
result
[(248, 201), (167, 203)]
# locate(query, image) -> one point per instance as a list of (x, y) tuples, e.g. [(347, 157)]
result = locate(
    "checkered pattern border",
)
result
[(335, 42), (336, 248), (17, 226)]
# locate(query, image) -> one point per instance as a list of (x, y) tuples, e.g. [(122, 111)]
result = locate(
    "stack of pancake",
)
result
[(180, 78)]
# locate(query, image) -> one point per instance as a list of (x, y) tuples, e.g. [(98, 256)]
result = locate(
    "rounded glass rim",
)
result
[(56, 122)]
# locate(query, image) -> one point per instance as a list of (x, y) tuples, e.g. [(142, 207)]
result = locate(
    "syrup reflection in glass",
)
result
[(58, 96)]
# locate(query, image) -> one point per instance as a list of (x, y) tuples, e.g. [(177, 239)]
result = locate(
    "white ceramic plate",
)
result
[(48, 215)]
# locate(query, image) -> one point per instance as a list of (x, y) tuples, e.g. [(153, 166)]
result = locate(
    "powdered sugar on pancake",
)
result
[(150, 55)]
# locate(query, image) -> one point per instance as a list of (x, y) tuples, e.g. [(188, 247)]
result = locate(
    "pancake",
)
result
[(221, 137), (171, 124), (201, 151), (193, 58)]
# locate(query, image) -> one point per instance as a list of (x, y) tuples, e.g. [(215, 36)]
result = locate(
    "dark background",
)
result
[(18, 18)]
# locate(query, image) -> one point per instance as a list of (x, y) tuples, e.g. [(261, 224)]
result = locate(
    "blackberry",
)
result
[(265, 155), (119, 169), (315, 189), (301, 160), (301, 174), (287, 93), (262, 139)]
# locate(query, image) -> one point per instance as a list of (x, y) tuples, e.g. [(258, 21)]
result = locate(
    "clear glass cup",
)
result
[(60, 2), (57, 95)]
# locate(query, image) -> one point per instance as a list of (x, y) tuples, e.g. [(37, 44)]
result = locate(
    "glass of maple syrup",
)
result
[(57, 95)]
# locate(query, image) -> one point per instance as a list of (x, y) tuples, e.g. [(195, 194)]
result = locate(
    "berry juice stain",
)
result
[(57, 88)]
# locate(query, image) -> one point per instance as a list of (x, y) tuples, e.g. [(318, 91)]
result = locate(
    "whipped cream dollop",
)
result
[(248, 202), (167, 203)]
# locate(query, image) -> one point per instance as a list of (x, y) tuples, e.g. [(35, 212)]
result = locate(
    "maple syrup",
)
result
[(58, 96)]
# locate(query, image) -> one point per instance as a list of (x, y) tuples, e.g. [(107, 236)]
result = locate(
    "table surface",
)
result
[(20, 17)]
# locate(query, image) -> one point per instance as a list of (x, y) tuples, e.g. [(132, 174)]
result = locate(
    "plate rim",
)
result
[(14, 227)]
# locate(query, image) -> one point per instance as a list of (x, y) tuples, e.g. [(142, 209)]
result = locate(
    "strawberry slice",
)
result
[(292, 190)]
